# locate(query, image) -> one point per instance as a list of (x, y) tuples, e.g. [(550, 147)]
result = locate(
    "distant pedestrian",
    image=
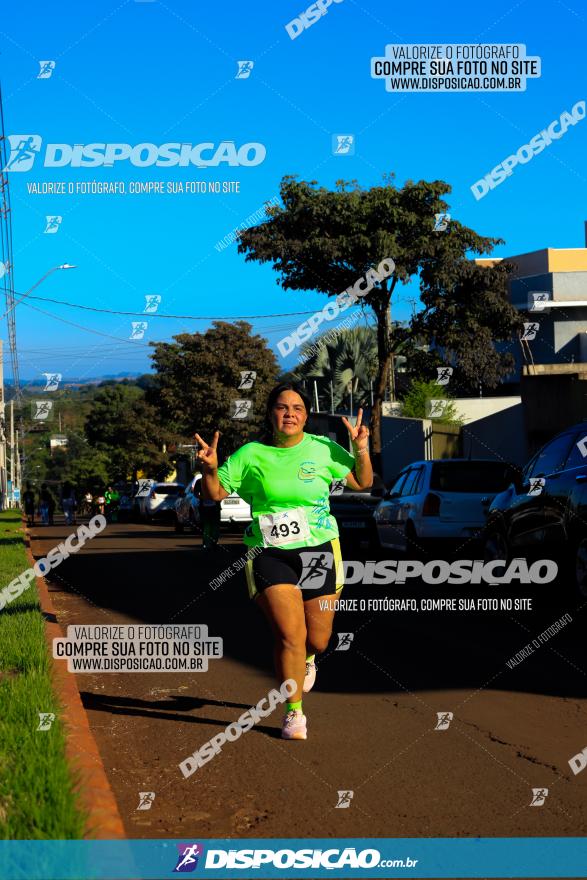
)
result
[(28, 499), (69, 503)]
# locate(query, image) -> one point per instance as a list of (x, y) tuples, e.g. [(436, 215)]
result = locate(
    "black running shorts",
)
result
[(317, 571)]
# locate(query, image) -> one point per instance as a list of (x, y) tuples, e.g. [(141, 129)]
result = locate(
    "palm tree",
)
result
[(347, 359)]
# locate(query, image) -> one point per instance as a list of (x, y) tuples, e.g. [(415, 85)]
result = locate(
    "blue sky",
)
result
[(156, 72)]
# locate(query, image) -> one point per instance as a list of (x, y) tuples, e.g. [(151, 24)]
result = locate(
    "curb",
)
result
[(91, 783)]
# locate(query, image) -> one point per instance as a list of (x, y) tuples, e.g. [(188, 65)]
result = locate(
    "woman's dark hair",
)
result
[(267, 430)]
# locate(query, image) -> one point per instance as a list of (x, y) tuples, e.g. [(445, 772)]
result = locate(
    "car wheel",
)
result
[(495, 547), (581, 567)]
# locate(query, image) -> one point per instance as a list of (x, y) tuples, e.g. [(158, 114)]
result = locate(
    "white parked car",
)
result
[(444, 500), (187, 506), (161, 499), (187, 509)]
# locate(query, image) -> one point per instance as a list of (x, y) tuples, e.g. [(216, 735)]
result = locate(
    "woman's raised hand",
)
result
[(207, 454)]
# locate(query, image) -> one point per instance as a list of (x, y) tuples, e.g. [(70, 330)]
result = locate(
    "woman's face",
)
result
[(289, 414)]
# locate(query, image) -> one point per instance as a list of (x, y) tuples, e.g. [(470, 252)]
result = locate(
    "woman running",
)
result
[(286, 477)]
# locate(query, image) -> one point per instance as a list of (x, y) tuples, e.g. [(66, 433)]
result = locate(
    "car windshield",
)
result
[(166, 489), (471, 476)]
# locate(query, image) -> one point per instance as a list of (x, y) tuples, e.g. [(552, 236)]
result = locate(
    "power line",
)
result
[(150, 315)]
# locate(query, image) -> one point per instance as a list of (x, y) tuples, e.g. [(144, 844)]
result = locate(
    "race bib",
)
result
[(287, 527)]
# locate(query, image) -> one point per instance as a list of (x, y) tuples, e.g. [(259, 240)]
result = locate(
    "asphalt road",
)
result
[(371, 716)]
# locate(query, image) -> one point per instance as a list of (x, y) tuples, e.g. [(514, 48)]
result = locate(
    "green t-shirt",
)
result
[(273, 479)]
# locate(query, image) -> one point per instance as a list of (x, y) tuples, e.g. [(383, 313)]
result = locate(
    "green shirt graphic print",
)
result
[(275, 478)]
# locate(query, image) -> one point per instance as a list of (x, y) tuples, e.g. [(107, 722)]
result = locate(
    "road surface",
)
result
[(372, 716)]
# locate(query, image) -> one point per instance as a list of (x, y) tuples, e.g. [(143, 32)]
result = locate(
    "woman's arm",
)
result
[(212, 490), (361, 476)]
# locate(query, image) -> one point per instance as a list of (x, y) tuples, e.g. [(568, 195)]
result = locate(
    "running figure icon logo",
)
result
[(241, 409), (344, 641), (441, 222), (536, 485), (538, 300), (52, 381), (435, 408), (443, 375), (244, 69), (444, 719), (46, 719), (146, 799), (337, 487), (152, 301), (23, 151), (189, 854), (314, 569), (46, 69), (343, 145), (42, 409), (53, 224), (247, 380), (344, 800), (138, 329), (531, 328), (539, 795)]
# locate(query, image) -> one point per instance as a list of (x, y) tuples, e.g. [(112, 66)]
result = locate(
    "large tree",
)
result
[(198, 378), (126, 427), (466, 311), (327, 240)]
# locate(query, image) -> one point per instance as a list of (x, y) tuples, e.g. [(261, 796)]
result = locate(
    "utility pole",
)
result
[(3, 483), (12, 463)]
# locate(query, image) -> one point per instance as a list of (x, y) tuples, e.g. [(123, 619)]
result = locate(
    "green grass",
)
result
[(37, 800)]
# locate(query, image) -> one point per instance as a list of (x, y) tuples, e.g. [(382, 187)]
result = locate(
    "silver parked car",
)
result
[(446, 500)]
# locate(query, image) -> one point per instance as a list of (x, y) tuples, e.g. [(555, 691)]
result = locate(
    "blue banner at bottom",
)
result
[(285, 858)]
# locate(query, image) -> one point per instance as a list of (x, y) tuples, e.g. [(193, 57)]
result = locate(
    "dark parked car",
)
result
[(543, 514)]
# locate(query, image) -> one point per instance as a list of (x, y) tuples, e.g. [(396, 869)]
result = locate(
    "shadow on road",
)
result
[(155, 576)]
